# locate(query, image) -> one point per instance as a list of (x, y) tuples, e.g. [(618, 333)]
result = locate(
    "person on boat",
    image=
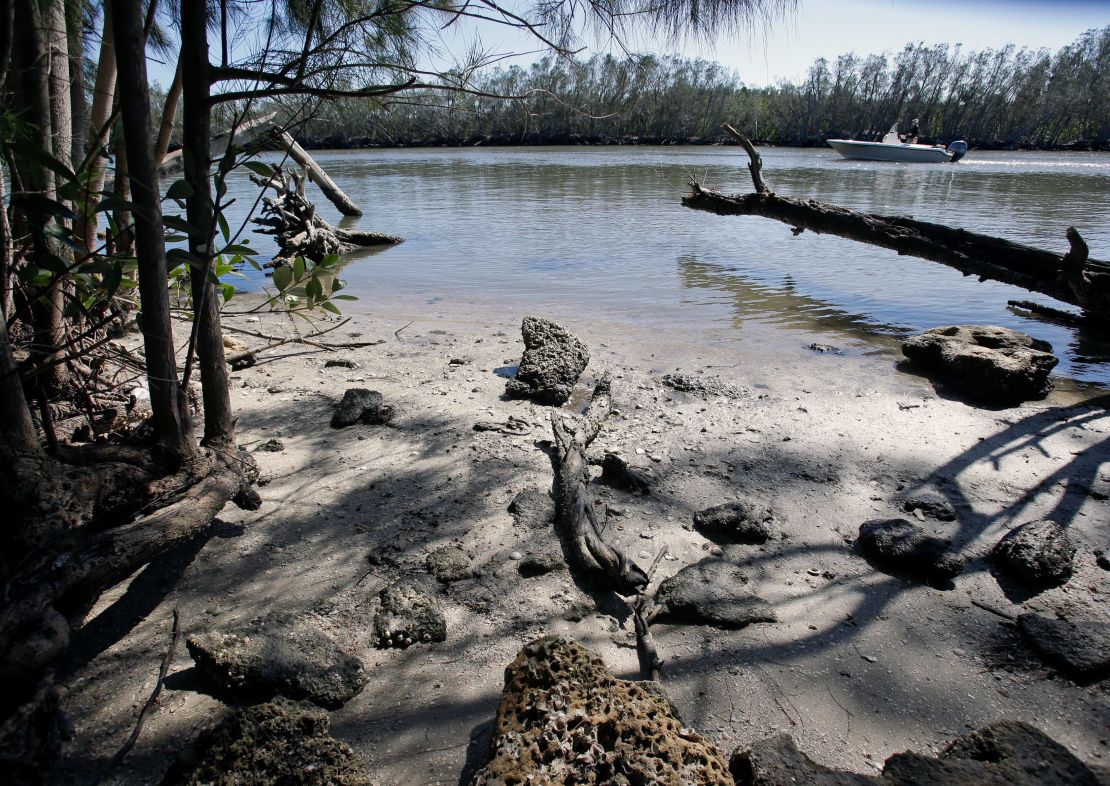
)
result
[(911, 137)]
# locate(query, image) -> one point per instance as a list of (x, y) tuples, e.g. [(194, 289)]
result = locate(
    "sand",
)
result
[(860, 665)]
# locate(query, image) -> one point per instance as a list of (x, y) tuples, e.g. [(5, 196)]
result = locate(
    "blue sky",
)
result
[(827, 28)]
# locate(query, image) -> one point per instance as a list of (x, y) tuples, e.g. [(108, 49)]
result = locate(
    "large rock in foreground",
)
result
[(273, 744), (711, 592), (900, 546), (360, 405), (410, 614), (552, 361), (565, 720), (1007, 753), (991, 364), (279, 655)]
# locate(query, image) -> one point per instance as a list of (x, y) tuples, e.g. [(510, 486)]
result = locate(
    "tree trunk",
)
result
[(17, 432), (104, 90), (219, 428), (124, 241), (172, 423), (169, 114), (318, 176), (75, 26)]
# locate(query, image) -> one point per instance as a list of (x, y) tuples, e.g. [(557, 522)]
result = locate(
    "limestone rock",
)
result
[(552, 361), (900, 546), (273, 744), (1080, 647), (619, 474), (988, 363), (735, 522), (278, 655), (533, 508), (711, 592), (410, 614), (1038, 553), (361, 405), (930, 502), (541, 561), (565, 720), (449, 564), (703, 386), (1006, 753)]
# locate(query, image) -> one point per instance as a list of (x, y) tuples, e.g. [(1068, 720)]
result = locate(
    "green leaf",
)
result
[(239, 249), (41, 205), (337, 284), (298, 268), (224, 228), (327, 305), (112, 280), (228, 291), (179, 189), (36, 155), (181, 225), (283, 277), (313, 290), (343, 297), (260, 168)]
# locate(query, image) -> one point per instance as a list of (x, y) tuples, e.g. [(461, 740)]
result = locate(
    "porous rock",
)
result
[(409, 614), (272, 446), (986, 362), (930, 502), (1005, 753), (273, 744), (735, 522), (552, 361), (533, 508), (702, 385), (711, 592), (278, 655), (1038, 553), (541, 561), (900, 546), (449, 564), (360, 405), (619, 474), (1077, 646), (565, 720)]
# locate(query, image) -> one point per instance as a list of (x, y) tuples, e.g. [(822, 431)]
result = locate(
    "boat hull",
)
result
[(880, 151)]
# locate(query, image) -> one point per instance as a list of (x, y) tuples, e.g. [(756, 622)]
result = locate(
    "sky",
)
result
[(827, 28)]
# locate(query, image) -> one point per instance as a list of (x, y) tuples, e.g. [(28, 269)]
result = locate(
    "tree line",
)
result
[(1006, 98)]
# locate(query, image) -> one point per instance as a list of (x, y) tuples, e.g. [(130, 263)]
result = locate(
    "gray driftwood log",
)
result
[(1072, 278)]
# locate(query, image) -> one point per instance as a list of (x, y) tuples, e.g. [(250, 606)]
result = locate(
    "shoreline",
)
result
[(861, 665)]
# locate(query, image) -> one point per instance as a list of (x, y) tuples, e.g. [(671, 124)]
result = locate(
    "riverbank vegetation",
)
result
[(999, 98)]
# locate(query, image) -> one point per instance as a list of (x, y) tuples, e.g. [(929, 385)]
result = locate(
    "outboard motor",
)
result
[(958, 149)]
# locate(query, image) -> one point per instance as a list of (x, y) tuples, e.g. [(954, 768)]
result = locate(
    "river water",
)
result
[(532, 229)]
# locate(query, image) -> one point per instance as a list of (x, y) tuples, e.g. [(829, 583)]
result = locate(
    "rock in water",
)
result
[(1038, 553), (278, 655), (410, 614), (273, 744), (988, 363), (711, 592), (1077, 646), (552, 361), (735, 522), (900, 546), (565, 720), (1006, 753), (361, 405)]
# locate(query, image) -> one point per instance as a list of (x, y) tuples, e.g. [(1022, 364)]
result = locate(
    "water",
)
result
[(534, 228)]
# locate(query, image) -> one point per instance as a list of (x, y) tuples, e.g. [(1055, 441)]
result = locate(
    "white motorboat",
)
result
[(892, 148)]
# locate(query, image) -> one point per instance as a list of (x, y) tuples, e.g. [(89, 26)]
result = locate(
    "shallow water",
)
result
[(535, 228)]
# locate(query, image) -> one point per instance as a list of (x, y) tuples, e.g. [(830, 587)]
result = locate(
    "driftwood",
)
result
[(299, 231), (1072, 278), (575, 518), (316, 174)]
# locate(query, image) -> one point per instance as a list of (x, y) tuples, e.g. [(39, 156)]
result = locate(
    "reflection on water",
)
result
[(602, 229)]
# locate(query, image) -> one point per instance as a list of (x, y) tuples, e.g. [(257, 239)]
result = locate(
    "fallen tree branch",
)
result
[(575, 518), (1071, 278), (162, 672)]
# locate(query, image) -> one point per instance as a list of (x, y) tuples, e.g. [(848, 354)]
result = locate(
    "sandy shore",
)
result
[(861, 664)]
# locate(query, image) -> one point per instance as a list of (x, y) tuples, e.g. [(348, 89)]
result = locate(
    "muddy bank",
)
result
[(859, 665)]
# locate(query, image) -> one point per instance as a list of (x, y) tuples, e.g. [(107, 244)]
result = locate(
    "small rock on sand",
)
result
[(552, 362), (711, 592), (410, 614), (533, 509), (703, 385), (361, 405), (930, 502), (900, 546), (619, 474), (735, 522), (449, 564), (537, 563), (1080, 647), (278, 655), (1038, 553)]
